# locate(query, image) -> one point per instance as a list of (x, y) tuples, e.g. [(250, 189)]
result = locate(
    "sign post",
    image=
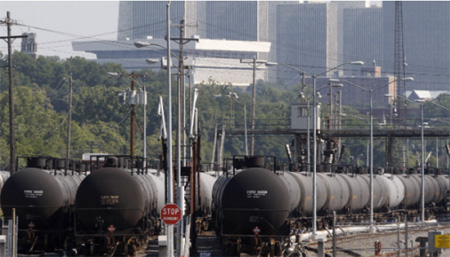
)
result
[(170, 214)]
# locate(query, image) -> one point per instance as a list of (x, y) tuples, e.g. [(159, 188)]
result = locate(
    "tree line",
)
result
[(101, 123)]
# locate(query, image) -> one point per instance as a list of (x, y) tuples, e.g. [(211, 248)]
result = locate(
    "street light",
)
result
[(422, 170), (233, 95), (180, 189), (254, 62), (314, 77), (371, 138), (422, 126)]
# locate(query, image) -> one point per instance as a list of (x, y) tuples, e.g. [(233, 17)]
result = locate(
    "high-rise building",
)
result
[(141, 19), (228, 31), (230, 20), (305, 37), (363, 37), (309, 36)]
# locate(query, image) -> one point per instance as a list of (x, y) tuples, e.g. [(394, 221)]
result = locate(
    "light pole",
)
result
[(144, 104), (422, 170), (314, 77), (170, 231), (371, 139), (180, 188), (422, 140), (234, 96), (254, 63)]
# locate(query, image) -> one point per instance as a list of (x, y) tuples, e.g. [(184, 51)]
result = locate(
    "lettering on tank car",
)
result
[(33, 193), (254, 219), (109, 199), (30, 217), (256, 193)]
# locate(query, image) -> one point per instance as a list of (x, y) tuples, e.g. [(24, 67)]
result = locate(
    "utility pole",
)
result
[(12, 143), (132, 101), (252, 139), (254, 62), (69, 121), (132, 116), (181, 127)]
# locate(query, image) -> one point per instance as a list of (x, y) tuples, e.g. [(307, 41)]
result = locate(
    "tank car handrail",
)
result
[(107, 208), (260, 236), (253, 209), (246, 160)]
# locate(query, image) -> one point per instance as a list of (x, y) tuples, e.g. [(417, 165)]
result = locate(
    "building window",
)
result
[(302, 112)]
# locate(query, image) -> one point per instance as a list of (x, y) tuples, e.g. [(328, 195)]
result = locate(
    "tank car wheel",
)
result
[(231, 249), (131, 247), (132, 250)]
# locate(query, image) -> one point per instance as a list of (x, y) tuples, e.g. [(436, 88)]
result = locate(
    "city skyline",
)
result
[(353, 32)]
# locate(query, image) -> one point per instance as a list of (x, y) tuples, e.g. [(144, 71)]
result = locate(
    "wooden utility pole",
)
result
[(132, 118), (12, 143), (254, 62), (132, 101), (69, 121), (181, 124)]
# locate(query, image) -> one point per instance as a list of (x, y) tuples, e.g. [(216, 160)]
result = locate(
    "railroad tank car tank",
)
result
[(431, 189), (207, 180), (443, 182), (4, 175), (359, 195), (396, 190), (338, 192), (255, 198), (117, 206), (293, 189), (115, 197), (412, 189), (380, 191), (43, 200), (305, 181)]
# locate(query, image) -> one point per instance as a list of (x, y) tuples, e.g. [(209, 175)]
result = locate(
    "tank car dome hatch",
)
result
[(255, 161), (254, 198), (242, 162), (120, 196), (36, 162), (112, 161)]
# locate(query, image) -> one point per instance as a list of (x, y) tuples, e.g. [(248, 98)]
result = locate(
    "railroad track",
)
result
[(357, 244)]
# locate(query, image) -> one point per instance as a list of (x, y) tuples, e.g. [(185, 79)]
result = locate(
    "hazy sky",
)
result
[(57, 23)]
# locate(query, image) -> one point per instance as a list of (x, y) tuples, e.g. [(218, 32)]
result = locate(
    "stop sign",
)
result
[(171, 214)]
